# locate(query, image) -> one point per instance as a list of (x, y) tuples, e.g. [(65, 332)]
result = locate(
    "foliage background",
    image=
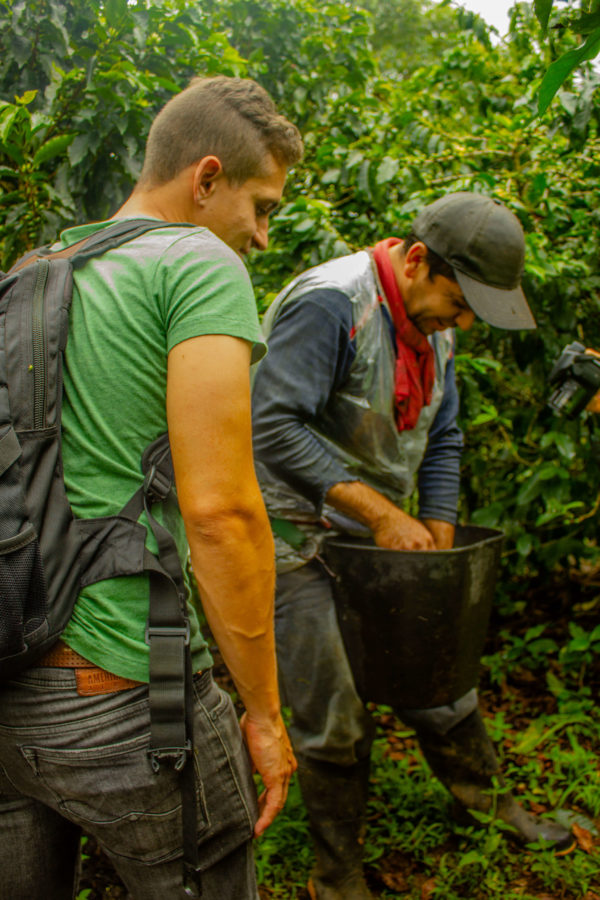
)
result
[(399, 101)]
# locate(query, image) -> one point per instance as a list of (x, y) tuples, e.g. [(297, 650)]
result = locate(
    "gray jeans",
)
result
[(69, 763), (329, 720)]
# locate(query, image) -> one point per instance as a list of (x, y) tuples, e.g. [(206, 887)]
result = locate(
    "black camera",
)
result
[(576, 376)]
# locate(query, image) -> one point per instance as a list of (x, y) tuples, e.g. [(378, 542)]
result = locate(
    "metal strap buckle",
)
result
[(179, 754)]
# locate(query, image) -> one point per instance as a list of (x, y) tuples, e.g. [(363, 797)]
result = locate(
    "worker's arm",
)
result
[(439, 472), (310, 354), (208, 413), (392, 527)]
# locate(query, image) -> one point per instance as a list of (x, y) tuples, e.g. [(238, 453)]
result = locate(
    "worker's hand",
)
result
[(594, 404), (273, 758), (396, 530), (442, 533)]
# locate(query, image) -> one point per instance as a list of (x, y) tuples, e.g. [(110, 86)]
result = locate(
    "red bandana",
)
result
[(415, 368)]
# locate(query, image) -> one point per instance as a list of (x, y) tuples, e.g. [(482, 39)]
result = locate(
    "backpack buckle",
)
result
[(192, 880), (180, 755), (157, 485), (168, 631)]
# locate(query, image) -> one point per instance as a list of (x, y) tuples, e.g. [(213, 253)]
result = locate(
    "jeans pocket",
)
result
[(225, 766), (114, 794)]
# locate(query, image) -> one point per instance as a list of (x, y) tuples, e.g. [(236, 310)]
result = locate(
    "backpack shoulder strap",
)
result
[(108, 238), (170, 689)]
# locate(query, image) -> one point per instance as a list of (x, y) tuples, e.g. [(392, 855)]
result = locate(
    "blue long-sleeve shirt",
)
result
[(310, 355)]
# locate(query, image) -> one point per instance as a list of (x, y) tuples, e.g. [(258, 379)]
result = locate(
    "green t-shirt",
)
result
[(130, 307)]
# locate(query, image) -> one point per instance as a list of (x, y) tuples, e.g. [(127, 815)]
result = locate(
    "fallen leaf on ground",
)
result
[(584, 838), (427, 888), (395, 881)]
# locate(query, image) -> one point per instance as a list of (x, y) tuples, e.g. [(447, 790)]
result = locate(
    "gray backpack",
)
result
[(47, 555)]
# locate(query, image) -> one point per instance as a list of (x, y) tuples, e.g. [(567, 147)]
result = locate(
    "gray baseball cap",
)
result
[(484, 243)]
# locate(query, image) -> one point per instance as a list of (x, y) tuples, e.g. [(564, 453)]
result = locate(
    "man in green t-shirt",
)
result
[(161, 336)]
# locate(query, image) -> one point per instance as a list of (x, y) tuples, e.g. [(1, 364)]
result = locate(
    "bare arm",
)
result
[(208, 413), (391, 527)]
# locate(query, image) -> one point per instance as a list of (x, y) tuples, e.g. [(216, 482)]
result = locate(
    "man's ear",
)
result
[(416, 256), (207, 172)]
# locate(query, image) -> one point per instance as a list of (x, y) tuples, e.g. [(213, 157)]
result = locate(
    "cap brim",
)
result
[(498, 307)]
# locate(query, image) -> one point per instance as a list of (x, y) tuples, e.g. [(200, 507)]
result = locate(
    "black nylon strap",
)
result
[(134, 507), (106, 239), (189, 813), (113, 236), (10, 450), (170, 690)]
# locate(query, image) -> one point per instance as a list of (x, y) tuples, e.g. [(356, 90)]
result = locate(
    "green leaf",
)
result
[(586, 23), (579, 644), (524, 545), (14, 152), (543, 8), (7, 122), (555, 685), (363, 178), (473, 857), (388, 168), (78, 148), (537, 733), (331, 176), (54, 147), (563, 443), (534, 632), (304, 225), (27, 97), (561, 68), (115, 10)]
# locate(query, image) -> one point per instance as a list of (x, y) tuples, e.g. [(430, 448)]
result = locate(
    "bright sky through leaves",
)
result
[(495, 12)]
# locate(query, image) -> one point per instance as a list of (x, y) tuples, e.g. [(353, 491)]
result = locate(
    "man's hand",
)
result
[(274, 760), (442, 533), (392, 528), (398, 531)]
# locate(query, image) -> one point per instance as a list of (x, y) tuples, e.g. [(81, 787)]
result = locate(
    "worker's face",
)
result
[(431, 304), (239, 213), (437, 305)]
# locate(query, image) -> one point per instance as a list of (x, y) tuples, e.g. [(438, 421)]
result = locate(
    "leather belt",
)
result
[(90, 678)]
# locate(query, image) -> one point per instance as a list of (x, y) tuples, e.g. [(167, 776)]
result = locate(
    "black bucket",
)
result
[(414, 622)]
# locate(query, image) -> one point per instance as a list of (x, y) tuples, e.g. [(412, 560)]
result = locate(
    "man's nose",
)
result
[(260, 241), (465, 320)]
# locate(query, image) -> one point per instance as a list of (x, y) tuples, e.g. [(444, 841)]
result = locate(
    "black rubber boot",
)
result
[(465, 762), (335, 798)]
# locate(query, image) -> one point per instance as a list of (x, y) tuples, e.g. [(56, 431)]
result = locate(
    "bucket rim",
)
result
[(491, 536)]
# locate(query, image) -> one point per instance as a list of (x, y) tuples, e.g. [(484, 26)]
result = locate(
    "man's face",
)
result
[(239, 213), (436, 305)]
